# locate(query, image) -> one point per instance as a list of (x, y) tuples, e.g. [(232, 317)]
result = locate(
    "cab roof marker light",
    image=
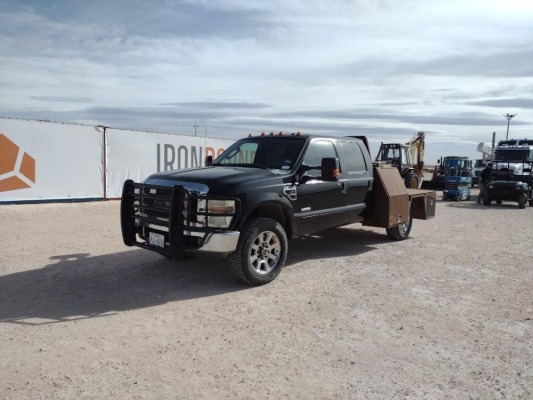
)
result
[(280, 133), (249, 135), (262, 133), (271, 133)]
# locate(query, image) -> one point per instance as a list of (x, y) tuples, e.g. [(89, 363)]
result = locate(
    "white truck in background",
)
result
[(511, 154), (479, 164)]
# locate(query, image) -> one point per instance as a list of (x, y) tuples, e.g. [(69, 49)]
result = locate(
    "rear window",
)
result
[(353, 157)]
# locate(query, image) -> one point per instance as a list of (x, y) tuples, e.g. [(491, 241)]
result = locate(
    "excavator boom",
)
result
[(416, 149)]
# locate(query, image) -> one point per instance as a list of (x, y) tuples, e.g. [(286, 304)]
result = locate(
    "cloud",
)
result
[(62, 99), (505, 103), (213, 105), (446, 67)]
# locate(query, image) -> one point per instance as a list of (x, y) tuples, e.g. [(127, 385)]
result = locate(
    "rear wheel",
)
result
[(401, 232), (522, 197), (261, 252), (411, 181), (415, 183)]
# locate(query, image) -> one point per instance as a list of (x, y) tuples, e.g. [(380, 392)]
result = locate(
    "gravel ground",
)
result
[(446, 314)]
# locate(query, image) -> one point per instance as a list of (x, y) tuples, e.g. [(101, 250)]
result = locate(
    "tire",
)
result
[(522, 197), (401, 232), (415, 183), (261, 252), (531, 203), (411, 181), (486, 198), (444, 197)]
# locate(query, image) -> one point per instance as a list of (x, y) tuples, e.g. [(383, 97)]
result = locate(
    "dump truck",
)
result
[(408, 158), (263, 191)]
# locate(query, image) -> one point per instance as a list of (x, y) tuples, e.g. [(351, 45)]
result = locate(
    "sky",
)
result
[(386, 69)]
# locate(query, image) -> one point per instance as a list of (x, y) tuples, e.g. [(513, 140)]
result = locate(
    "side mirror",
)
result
[(208, 161), (330, 169)]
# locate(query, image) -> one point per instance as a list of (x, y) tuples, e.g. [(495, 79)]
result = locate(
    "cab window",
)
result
[(317, 150)]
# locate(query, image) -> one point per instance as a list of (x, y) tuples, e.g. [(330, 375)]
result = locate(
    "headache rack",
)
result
[(168, 213)]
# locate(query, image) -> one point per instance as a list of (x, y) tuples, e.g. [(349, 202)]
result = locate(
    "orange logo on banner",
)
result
[(18, 175)]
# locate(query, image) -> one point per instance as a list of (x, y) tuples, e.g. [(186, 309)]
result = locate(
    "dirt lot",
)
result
[(446, 314)]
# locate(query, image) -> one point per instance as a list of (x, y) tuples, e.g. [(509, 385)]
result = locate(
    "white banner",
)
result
[(136, 155), (49, 161)]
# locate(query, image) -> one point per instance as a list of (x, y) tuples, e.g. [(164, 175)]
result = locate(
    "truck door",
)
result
[(320, 204), (357, 176)]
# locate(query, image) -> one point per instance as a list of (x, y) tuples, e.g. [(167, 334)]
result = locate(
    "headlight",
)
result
[(220, 207), (224, 207)]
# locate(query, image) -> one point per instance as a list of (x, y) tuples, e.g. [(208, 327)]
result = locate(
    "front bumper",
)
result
[(167, 220), (223, 242)]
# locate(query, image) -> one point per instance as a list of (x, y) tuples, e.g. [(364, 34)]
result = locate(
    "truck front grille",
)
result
[(159, 209), (180, 215), (152, 205)]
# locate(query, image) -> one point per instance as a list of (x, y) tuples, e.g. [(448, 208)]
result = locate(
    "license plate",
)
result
[(156, 240)]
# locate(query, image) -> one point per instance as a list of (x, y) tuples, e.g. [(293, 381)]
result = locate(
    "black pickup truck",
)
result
[(263, 191)]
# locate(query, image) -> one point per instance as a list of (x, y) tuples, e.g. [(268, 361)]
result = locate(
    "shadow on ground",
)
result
[(75, 286), (506, 205)]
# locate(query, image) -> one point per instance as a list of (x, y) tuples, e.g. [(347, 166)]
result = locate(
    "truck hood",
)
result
[(216, 180)]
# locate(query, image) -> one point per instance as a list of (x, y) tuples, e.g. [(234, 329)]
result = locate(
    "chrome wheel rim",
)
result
[(265, 252), (403, 228)]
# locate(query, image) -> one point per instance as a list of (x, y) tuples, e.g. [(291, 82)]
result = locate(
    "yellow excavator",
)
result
[(408, 158)]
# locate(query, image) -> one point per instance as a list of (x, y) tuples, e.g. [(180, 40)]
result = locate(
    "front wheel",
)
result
[(261, 252), (401, 232), (522, 197)]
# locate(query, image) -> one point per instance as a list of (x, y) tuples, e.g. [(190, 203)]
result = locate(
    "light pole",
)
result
[(509, 117), (195, 126)]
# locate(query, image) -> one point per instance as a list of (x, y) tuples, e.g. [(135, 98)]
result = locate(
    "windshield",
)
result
[(388, 154), (260, 152), (513, 155), (480, 164), (455, 162)]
